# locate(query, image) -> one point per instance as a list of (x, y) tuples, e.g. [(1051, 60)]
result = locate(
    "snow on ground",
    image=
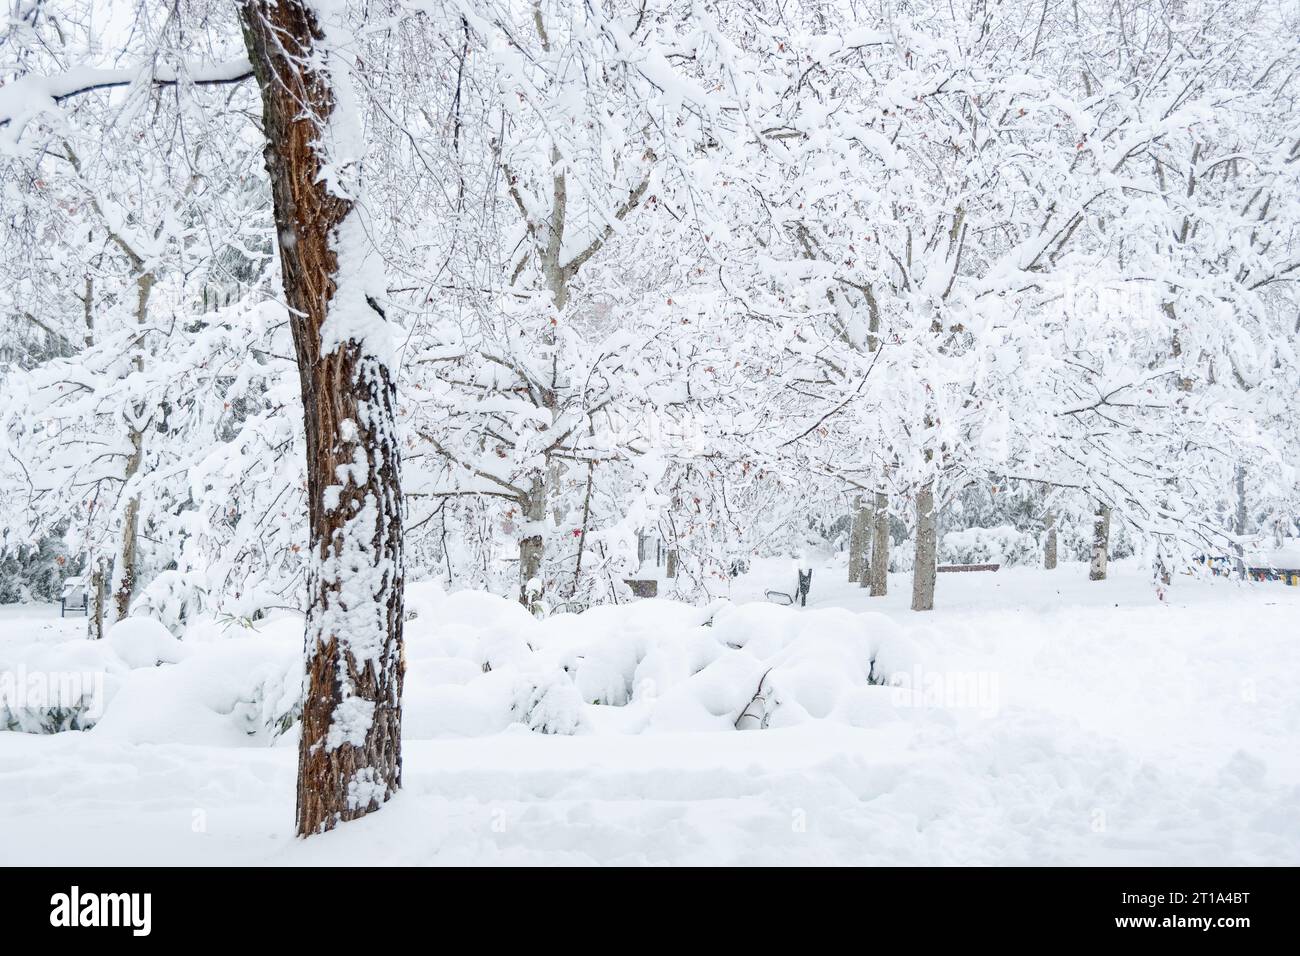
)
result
[(1038, 718)]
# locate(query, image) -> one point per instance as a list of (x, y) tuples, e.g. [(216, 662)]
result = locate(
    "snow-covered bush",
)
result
[(548, 704), (1003, 545), (651, 666), (477, 664), (173, 599), (902, 556), (34, 572), (1075, 540), (49, 688), (144, 685)]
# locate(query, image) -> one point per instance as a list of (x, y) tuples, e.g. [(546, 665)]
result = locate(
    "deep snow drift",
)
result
[(1036, 717)]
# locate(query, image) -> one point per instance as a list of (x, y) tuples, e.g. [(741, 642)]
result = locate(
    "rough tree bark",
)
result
[(125, 560), (879, 573), (923, 572), (1239, 523), (349, 757), (533, 545), (1100, 544), (858, 539), (1161, 567), (124, 563), (98, 599), (1049, 542)]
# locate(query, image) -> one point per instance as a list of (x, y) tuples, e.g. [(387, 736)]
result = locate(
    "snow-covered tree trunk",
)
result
[(88, 312), (1049, 541), (1100, 544), (879, 571), (349, 757), (98, 598), (124, 564), (532, 545), (923, 572), (1239, 522), (125, 560), (1161, 568), (858, 539)]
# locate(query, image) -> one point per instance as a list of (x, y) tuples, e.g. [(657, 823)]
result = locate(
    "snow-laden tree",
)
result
[(532, 385), (951, 188), (138, 216)]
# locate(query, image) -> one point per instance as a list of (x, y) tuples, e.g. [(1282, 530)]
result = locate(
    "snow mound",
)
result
[(247, 688), (142, 685), (144, 642), (477, 664)]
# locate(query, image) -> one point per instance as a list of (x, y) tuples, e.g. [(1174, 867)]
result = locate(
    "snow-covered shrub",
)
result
[(274, 703), (222, 692), (902, 556), (35, 573), (173, 599), (548, 703), (1003, 545), (49, 688), (144, 642), (1075, 539), (80, 714), (142, 684), (477, 664)]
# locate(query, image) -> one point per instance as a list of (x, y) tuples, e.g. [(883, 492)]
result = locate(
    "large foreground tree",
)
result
[(350, 750)]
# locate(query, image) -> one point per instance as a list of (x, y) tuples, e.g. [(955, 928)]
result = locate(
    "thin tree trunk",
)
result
[(1100, 544), (857, 539), (1161, 567), (125, 559), (1049, 542), (555, 487), (98, 594), (923, 572), (1239, 524), (532, 546), (349, 756), (124, 567), (880, 547), (88, 312), (670, 570), (586, 517), (873, 319)]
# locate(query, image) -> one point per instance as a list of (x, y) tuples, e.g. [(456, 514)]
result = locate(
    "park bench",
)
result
[(802, 587), (968, 567), (643, 587), (74, 597)]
